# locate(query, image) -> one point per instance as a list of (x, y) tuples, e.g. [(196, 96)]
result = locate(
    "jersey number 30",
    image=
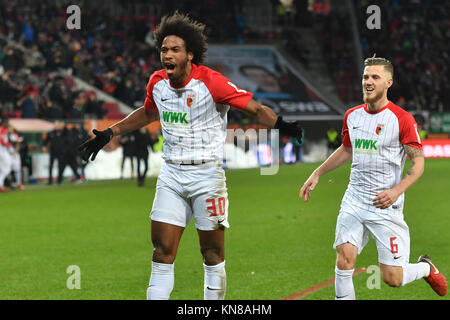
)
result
[(216, 206)]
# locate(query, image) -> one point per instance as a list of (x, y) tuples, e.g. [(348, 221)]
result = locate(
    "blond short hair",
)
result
[(378, 61)]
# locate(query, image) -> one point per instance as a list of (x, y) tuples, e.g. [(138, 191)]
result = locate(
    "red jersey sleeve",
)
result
[(223, 90), (407, 126), (409, 131), (345, 137), (149, 103), (3, 140)]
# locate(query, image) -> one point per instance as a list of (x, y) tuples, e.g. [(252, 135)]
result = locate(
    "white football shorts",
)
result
[(5, 164), (186, 191), (391, 233)]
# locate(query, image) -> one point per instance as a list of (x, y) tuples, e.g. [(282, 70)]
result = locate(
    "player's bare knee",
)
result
[(163, 254), (345, 260), (212, 256)]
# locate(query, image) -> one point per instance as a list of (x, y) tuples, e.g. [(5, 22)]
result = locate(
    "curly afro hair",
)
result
[(192, 32)]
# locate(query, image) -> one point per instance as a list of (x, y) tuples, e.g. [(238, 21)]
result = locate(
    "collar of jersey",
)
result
[(194, 68), (379, 110)]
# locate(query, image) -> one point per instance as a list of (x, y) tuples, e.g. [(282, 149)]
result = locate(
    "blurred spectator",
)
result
[(115, 53), (54, 145), (12, 60), (27, 165), (297, 150), (69, 153), (414, 36), (128, 151), (333, 140), (34, 59), (81, 135), (28, 104), (142, 142), (15, 141)]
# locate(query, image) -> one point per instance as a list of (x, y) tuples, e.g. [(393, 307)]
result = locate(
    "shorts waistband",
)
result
[(193, 162)]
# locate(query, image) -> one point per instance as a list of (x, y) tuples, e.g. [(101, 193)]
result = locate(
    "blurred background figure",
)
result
[(128, 145), (297, 150), (16, 164), (69, 153), (333, 140), (142, 142), (81, 134), (5, 159), (54, 145)]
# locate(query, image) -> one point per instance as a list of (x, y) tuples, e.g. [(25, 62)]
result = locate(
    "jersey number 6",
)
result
[(394, 246)]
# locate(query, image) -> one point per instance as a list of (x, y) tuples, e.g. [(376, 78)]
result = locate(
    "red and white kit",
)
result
[(193, 116), (16, 163), (5, 156), (194, 122), (377, 140)]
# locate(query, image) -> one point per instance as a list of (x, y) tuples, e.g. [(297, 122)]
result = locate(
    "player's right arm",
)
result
[(135, 120), (334, 161)]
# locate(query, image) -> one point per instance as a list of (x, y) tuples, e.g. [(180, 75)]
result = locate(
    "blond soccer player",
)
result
[(377, 136)]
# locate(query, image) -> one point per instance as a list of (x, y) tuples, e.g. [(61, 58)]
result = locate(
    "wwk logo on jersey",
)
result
[(366, 146), (174, 119)]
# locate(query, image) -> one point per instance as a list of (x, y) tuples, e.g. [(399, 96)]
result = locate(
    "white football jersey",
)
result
[(4, 141), (377, 140), (194, 116)]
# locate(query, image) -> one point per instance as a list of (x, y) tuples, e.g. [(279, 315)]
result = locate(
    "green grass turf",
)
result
[(277, 244)]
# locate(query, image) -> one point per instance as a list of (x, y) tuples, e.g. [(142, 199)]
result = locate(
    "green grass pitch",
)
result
[(277, 244)]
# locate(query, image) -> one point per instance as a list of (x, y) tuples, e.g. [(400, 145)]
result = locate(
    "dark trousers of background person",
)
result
[(82, 166), (123, 163), (141, 177), (53, 157), (298, 152), (72, 162)]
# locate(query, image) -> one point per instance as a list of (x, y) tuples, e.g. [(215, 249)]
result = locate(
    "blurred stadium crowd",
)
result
[(415, 36), (114, 52)]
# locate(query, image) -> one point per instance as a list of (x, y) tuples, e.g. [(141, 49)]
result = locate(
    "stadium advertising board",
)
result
[(440, 123), (436, 148), (274, 82)]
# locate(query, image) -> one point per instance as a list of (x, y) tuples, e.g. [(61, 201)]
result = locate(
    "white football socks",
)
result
[(344, 284), (415, 271), (161, 281), (215, 282)]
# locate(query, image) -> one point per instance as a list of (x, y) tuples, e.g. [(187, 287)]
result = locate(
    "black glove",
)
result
[(292, 129), (93, 146)]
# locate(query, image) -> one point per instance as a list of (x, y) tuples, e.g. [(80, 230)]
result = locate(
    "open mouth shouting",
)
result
[(170, 67)]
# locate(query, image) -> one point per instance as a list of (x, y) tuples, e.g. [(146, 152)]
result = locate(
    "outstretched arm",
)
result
[(262, 114), (268, 117), (387, 198), (335, 160), (135, 120)]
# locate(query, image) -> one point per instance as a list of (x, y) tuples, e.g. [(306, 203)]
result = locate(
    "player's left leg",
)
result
[(391, 234), (210, 205), (398, 276), (212, 247)]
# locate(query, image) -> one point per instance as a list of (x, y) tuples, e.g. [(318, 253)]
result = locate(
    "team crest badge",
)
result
[(380, 129), (190, 100)]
